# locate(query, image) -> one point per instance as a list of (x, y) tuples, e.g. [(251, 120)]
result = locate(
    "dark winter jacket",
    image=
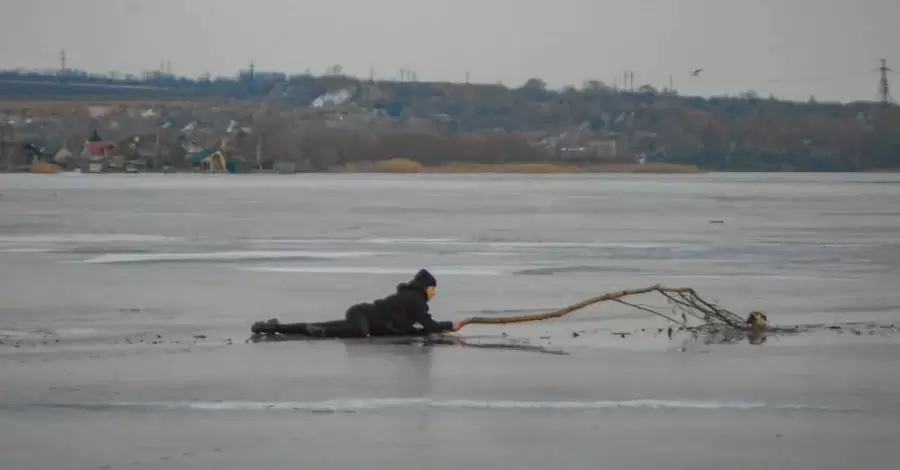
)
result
[(401, 310)]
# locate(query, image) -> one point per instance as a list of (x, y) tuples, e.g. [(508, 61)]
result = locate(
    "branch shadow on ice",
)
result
[(503, 342)]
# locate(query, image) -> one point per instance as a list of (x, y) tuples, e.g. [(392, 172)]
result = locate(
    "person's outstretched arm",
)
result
[(418, 310)]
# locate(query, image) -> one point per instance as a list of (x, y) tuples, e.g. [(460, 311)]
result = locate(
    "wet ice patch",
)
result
[(63, 238), (412, 241), (26, 250), (370, 404), (249, 255), (73, 242), (51, 332), (554, 270), (438, 271), (475, 243)]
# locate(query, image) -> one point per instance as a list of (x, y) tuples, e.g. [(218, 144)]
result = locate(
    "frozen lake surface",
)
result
[(127, 299)]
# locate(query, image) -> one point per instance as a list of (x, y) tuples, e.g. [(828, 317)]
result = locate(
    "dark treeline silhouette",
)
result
[(739, 133)]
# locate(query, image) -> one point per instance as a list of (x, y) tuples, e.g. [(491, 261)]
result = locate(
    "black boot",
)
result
[(265, 327)]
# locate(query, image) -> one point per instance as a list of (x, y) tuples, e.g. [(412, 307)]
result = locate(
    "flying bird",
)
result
[(696, 72)]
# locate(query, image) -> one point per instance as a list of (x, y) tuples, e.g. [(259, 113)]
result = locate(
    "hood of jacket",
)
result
[(413, 286)]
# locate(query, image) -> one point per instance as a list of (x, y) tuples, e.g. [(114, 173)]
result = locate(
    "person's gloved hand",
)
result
[(450, 326)]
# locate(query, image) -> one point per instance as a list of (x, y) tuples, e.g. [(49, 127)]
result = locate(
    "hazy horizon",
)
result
[(793, 50)]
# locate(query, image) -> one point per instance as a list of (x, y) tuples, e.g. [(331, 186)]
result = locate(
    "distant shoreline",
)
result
[(404, 166), (410, 166)]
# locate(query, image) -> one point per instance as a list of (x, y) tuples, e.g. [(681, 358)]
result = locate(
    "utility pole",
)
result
[(407, 75), (3, 144), (884, 90), (628, 81), (7, 143)]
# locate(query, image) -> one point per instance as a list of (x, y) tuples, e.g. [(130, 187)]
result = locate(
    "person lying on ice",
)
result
[(394, 315)]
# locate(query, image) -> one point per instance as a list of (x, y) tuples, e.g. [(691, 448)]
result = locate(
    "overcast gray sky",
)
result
[(790, 48)]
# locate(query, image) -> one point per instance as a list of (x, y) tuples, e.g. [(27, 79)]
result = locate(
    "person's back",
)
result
[(401, 310)]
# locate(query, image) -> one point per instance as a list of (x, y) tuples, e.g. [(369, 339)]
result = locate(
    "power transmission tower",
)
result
[(884, 89), (62, 61)]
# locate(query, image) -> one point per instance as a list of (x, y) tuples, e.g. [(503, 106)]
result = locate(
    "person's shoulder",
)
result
[(407, 294), (411, 294), (401, 293), (390, 297)]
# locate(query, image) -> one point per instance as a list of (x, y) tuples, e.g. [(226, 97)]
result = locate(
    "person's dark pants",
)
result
[(360, 321)]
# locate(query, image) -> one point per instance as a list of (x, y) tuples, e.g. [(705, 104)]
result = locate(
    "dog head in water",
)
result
[(757, 320)]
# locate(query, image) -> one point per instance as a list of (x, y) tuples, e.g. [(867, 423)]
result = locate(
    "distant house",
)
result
[(191, 148), (63, 156), (646, 147), (209, 161), (96, 154), (34, 151), (95, 146), (603, 148), (145, 149), (194, 153), (285, 166)]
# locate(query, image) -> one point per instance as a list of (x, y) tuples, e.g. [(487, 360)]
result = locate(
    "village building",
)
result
[(97, 155)]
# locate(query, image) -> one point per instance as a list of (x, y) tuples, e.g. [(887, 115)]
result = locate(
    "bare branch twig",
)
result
[(685, 298)]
